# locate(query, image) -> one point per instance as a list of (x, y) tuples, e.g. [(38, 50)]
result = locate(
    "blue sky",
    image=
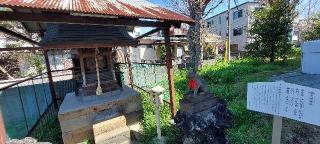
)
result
[(302, 7), (220, 8)]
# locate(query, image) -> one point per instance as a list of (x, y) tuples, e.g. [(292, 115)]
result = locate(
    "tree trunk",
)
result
[(195, 38)]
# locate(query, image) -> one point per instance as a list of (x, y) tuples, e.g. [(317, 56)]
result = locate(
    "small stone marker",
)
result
[(283, 99)]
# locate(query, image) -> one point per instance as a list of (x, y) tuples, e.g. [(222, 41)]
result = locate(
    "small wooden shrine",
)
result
[(92, 53), (99, 105)]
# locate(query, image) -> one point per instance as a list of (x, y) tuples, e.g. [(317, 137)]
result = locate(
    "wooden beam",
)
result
[(70, 19), (21, 49), (48, 48), (17, 35), (55, 97), (6, 72), (149, 33), (170, 72)]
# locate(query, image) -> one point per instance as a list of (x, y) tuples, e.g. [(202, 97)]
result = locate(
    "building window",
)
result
[(237, 31), (237, 14), (210, 23), (219, 19)]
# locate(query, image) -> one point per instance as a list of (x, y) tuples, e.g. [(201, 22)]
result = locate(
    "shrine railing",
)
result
[(27, 105)]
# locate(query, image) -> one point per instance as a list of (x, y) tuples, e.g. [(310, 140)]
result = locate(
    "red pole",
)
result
[(170, 72), (2, 131)]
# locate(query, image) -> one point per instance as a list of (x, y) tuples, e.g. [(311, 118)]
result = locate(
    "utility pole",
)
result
[(227, 52)]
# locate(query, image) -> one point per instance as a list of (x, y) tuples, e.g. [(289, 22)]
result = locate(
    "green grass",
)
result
[(49, 130), (228, 81)]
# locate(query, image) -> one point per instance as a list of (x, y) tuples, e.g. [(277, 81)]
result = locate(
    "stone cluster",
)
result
[(203, 119)]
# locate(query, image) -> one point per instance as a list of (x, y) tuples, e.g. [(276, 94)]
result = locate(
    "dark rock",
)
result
[(203, 119)]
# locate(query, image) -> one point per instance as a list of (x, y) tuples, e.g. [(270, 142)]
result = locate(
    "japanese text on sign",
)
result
[(284, 99)]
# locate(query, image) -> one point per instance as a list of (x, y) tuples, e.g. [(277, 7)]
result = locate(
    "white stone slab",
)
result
[(73, 103)]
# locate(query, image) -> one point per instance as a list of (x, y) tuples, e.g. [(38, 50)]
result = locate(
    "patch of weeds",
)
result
[(228, 81)]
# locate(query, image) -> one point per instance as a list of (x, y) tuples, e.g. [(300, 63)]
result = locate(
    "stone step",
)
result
[(117, 140), (106, 124), (116, 136), (136, 130)]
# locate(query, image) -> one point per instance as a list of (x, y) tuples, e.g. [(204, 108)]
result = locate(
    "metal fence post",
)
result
[(23, 110), (55, 97)]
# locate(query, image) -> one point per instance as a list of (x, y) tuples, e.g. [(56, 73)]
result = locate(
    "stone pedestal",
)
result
[(89, 117), (203, 119)]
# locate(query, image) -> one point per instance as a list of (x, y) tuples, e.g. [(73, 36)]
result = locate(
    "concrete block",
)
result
[(67, 137), (117, 134), (74, 124), (82, 134), (109, 125), (117, 140)]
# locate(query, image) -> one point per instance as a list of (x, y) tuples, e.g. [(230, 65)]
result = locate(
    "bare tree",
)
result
[(9, 61), (197, 10)]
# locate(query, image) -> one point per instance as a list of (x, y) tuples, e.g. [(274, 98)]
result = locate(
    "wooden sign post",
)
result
[(276, 130), (287, 100)]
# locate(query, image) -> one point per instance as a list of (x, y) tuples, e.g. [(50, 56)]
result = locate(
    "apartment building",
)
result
[(240, 22)]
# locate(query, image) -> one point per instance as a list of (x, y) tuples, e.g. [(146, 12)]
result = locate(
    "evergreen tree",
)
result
[(271, 30)]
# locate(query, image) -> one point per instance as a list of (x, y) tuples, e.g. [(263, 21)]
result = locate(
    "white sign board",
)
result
[(286, 100)]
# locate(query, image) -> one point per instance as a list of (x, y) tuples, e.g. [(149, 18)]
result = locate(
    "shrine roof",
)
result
[(119, 8), (86, 36)]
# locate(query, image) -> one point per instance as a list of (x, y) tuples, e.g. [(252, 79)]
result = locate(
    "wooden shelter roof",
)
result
[(121, 8), (117, 9), (86, 36)]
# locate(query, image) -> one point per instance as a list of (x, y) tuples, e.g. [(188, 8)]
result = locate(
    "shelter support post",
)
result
[(99, 89), (128, 59), (83, 71), (170, 72), (55, 97)]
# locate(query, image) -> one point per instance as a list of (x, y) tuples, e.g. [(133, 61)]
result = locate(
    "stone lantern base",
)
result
[(203, 119)]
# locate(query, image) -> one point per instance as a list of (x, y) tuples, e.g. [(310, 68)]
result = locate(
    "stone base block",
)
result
[(117, 136), (83, 117), (109, 125), (197, 104)]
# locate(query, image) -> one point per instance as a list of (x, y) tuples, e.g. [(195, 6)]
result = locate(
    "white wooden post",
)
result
[(276, 130), (83, 71), (99, 89)]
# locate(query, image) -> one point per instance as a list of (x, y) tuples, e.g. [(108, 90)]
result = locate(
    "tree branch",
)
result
[(212, 8)]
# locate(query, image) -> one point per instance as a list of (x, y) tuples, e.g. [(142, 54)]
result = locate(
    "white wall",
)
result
[(147, 53), (242, 22)]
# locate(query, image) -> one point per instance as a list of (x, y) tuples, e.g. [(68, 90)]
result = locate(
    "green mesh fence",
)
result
[(147, 76)]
